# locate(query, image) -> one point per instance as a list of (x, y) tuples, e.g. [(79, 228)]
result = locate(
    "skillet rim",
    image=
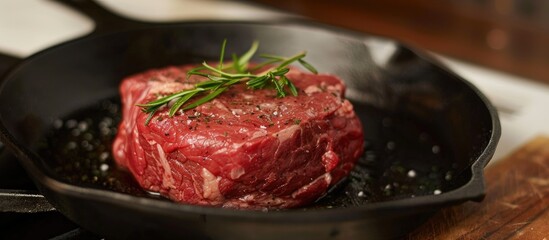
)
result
[(471, 190)]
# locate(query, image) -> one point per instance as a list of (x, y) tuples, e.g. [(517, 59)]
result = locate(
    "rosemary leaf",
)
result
[(236, 67), (292, 87), (182, 101), (222, 55), (165, 99), (196, 71), (263, 64), (281, 72), (258, 82), (272, 57), (291, 60), (245, 58), (308, 66), (151, 112), (279, 87)]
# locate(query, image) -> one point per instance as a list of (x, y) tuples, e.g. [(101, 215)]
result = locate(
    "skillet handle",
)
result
[(105, 20), (18, 201), (23, 201)]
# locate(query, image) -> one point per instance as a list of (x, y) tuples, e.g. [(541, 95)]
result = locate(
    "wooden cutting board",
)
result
[(516, 204)]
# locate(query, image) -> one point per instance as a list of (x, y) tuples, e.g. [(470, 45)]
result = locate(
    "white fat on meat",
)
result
[(312, 89), (267, 106), (220, 105), (257, 134), (168, 87), (237, 172), (167, 178), (210, 186), (327, 177), (287, 133)]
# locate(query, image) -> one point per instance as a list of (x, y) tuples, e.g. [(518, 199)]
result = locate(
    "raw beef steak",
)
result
[(244, 149)]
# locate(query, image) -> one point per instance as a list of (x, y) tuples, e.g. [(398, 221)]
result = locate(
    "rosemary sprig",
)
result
[(223, 76)]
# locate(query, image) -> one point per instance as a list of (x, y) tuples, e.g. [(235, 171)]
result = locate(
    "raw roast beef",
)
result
[(244, 149)]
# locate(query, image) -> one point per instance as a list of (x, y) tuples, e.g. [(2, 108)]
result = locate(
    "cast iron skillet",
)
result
[(389, 84)]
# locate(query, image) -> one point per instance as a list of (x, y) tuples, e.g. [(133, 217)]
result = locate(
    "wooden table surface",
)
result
[(516, 204)]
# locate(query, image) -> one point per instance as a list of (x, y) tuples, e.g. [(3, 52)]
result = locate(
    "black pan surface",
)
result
[(429, 133)]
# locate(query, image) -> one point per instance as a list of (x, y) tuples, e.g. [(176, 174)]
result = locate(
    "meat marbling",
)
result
[(246, 148)]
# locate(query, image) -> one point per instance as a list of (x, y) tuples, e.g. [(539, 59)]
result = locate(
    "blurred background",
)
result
[(508, 35), (511, 35)]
